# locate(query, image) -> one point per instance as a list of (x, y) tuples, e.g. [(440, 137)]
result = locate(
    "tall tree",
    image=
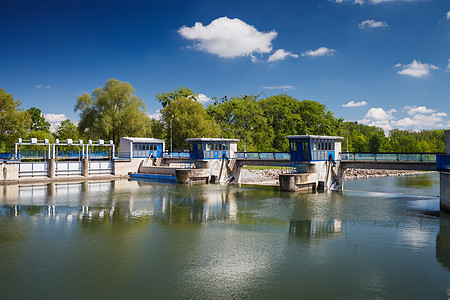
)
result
[(185, 117), (111, 112), (14, 121), (38, 122), (243, 118), (283, 115), (67, 130)]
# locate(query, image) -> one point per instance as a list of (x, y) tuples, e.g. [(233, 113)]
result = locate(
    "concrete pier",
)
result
[(444, 192)]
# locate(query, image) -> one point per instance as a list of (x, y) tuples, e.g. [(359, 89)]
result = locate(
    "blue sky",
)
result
[(380, 62)]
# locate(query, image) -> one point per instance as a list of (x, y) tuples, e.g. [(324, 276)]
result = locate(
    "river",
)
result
[(380, 238)]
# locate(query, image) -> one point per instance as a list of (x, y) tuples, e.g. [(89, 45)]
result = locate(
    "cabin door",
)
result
[(159, 150)]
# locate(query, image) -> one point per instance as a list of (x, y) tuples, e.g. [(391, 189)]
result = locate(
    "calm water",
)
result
[(382, 238)]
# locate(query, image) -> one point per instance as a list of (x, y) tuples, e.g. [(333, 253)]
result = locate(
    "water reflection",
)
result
[(103, 239), (315, 230), (443, 241)]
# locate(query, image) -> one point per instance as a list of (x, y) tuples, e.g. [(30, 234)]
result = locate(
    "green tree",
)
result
[(38, 122), (184, 117), (14, 121), (67, 130), (243, 118), (284, 116), (111, 112)]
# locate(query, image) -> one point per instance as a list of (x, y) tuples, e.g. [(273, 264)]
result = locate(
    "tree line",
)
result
[(113, 111)]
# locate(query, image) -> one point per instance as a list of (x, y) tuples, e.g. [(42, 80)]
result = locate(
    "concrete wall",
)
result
[(9, 171), (445, 191), (123, 167)]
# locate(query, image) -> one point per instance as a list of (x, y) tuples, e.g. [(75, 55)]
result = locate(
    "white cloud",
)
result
[(202, 98), (229, 38), (420, 117), (447, 16), (280, 87), (420, 121), (355, 104), (40, 86), (156, 115), (322, 51), (415, 69), (448, 66), (55, 120), (412, 110), (379, 114), (281, 54), (372, 24)]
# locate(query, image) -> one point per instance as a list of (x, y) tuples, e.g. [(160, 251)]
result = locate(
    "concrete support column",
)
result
[(51, 168), (444, 190), (85, 170)]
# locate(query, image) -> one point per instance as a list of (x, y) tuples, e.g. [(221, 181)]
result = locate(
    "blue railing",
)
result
[(69, 153), (6, 155), (263, 155), (33, 154), (176, 154), (401, 157), (443, 163), (98, 154)]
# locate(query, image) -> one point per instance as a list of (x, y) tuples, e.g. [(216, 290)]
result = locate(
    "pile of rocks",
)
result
[(362, 173), (260, 176)]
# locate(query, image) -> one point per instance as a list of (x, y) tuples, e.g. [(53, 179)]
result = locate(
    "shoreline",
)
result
[(269, 177)]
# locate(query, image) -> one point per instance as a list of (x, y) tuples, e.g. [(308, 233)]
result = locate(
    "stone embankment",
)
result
[(270, 176)]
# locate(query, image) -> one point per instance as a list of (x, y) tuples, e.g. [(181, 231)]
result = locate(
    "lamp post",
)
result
[(171, 143)]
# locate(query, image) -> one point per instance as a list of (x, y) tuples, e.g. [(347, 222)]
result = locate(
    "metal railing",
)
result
[(263, 155), (176, 154), (6, 155), (296, 169), (389, 157)]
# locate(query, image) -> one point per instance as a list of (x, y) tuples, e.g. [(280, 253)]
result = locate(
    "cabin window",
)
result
[(293, 146)]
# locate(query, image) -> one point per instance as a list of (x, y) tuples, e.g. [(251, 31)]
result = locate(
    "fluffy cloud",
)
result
[(281, 54), (156, 115), (420, 121), (229, 38), (372, 24), (377, 116), (280, 87), (419, 118), (448, 66), (355, 104), (202, 98), (55, 120), (412, 110), (322, 51), (415, 69), (447, 16)]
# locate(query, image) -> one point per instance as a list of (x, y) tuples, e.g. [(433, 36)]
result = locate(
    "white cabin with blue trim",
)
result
[(314, 147), (132, 147)]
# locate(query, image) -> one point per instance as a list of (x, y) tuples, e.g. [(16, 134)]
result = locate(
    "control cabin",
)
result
[(212, 148), (131, 147), (314, 147)]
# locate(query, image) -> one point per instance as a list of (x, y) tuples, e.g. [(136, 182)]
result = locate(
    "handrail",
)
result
[(263, 155), (389, 156)]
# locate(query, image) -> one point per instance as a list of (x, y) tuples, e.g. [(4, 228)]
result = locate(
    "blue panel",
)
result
[(216, 154)]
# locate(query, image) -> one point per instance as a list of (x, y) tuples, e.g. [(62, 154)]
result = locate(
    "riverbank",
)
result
[(270, 176)]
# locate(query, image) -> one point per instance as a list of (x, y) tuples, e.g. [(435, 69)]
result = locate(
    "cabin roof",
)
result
[(211, 140), (142, 140), (322, 137)]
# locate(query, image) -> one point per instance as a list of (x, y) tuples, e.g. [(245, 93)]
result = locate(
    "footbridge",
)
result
[(389, 161)]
